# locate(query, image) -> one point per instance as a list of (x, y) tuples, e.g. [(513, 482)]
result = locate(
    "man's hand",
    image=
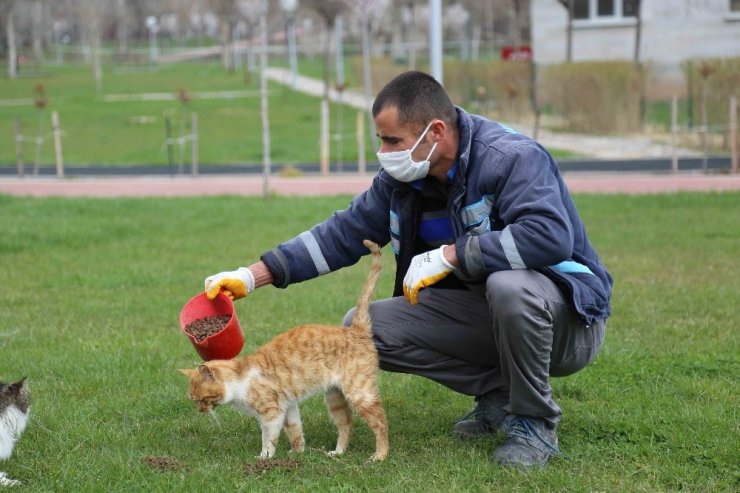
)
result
[(235, 284), (426, 269)]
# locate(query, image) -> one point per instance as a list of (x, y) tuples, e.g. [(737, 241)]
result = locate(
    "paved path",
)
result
[(333, 185), (602, 147)]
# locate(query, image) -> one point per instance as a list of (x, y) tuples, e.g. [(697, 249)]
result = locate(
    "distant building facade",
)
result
[(671, 32)]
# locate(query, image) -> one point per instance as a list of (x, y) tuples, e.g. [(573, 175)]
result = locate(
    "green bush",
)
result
[(494, 88), (594, 97), (710, 83)]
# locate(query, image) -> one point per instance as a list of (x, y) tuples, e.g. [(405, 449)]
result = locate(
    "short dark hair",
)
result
[(419, 99)]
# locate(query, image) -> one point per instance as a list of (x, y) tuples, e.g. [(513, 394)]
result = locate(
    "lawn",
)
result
[(103, 133), (92, 289), (109, 134)]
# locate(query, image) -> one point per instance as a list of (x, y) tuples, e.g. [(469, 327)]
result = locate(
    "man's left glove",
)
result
[(235, 284), (426, 269)]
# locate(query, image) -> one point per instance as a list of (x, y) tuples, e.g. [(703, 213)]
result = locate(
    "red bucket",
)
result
[(224, 344)]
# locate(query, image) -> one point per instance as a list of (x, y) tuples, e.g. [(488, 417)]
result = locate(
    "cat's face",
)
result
[(16, 394), (205, 389)]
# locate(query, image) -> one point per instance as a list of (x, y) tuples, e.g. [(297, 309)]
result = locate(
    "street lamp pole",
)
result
[(435, 38)]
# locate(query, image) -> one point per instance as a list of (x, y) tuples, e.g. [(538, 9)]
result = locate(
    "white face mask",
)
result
[(401, 166)]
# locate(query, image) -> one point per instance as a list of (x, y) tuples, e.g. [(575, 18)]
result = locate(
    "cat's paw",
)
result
[(267, 454), (298, 446), (335, 453), (378, 457), (6, 481)]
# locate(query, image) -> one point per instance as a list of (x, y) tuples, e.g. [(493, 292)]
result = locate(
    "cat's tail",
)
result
[(361, 317)]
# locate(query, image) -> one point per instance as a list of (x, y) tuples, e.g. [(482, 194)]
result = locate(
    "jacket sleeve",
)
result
[(337, 241), (534, 230)]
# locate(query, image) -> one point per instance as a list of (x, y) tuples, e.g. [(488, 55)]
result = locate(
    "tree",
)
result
[(7, 8), (226, 11)]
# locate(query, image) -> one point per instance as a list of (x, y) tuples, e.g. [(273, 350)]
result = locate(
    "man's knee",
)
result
[(508, 295)]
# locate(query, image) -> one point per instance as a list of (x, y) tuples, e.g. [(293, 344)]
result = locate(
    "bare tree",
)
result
[(91, 19), (328, 11), (7, 8), (226, 11), (122, 17), (37, 30)]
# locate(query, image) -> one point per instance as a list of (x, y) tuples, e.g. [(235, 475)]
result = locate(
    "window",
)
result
[(734, 5), (609, 9)]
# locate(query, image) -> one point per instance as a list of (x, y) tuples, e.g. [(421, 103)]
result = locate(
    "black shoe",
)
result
[(529, 443), (486, 419)]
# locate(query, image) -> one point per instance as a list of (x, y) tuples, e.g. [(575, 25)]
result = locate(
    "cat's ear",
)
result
[(188, 373), (19, 385), (205, 372)]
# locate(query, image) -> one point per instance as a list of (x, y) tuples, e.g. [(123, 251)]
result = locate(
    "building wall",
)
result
[(672, 31)]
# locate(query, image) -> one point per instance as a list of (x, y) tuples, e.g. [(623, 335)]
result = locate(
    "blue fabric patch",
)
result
[(572, 267), (435, 230), (452, 172), (508, 129)]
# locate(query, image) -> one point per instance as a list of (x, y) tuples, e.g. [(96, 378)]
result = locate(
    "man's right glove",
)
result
[(235, 284)]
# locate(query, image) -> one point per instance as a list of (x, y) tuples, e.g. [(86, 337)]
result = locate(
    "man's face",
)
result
[(394, 137)]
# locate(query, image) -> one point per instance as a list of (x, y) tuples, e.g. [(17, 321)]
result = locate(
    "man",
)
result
[(480, 216)]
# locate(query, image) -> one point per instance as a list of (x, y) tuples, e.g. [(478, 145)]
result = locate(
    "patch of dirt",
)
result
[(162, 463), (264, 465)]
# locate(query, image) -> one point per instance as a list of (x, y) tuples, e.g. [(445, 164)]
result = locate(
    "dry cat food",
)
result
[(162, 463), (207, 326), (264, 465)]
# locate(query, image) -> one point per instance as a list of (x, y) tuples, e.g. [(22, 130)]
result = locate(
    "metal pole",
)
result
[(266, 164), (733, 133), (674, 133), (181, 148), (366, 71), (339, 45), (57, 144), (194, 144), (292, 54), (39, 142), (168, 132), (19, 146), (361, 164), (324, 150), (435, 39)]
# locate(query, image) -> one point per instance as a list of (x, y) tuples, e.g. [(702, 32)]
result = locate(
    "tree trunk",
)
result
[(12, 52), (121, 27), (37, 31), (227, 55)]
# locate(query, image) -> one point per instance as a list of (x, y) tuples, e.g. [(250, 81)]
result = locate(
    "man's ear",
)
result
[(438, 130)]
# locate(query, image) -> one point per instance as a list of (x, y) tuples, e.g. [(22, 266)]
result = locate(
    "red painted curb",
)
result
[(332, 185)]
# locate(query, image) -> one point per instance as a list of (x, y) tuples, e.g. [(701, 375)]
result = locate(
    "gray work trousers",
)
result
[(511, 336)]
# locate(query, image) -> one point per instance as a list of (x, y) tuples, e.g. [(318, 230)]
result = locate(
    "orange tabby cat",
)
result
[(340, 361)]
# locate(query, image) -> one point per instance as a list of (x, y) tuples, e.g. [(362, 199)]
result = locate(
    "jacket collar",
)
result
[(465, 136)]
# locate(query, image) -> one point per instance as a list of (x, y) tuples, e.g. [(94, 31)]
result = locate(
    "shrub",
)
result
[(594, 97), (712, 82)]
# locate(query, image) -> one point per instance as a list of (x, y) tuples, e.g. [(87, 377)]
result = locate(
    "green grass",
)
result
[(107, 133), (92, 289)]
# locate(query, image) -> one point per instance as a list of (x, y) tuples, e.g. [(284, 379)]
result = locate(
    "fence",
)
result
[(703, 132)]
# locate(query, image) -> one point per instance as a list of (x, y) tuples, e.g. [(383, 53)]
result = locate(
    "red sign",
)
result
[(522, 53)]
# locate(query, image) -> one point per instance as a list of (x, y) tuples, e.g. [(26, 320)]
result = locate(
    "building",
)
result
[(666, 33)]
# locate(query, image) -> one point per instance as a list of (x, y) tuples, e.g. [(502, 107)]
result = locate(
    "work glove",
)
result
[(235, 284), (426, 269)]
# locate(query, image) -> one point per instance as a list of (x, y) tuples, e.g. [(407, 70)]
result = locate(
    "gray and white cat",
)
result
[(15, 407)]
